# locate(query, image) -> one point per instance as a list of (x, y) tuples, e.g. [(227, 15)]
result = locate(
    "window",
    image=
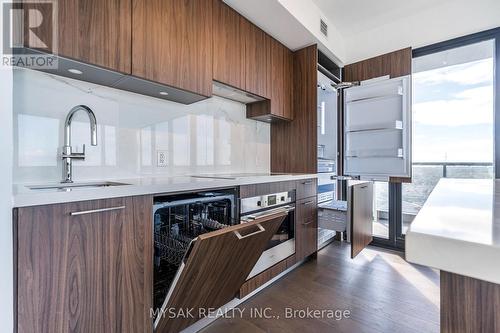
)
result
[(453, 120)]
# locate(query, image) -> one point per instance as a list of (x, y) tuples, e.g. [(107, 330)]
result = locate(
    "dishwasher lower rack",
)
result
[(172, 247)]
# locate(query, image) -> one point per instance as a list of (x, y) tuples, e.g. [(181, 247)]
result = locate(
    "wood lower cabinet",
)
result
[(85, 266), (92, 31), (360, 216), (306, 188), (172, 43), (306, 228), (468, 304)]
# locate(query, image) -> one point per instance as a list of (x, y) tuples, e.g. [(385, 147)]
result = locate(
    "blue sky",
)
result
[(453, 113)]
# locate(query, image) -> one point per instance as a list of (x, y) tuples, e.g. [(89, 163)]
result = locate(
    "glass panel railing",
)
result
[(425, 177)]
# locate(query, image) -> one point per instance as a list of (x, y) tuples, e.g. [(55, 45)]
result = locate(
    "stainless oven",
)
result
[(282, 244)]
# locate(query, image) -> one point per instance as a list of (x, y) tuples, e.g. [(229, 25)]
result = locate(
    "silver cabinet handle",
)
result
[(306, 223), (307, 203), (308, 182), (261, 229), (83, 212)]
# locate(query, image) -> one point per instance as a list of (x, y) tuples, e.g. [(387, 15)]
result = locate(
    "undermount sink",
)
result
[(73, 186)]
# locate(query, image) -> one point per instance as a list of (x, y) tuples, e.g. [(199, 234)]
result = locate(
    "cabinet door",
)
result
[(288, 84), (360, 216), (257, 60), (216, 266), (306, 236), (85, 267), (92, 31), (172, 43), (281, 85), (228, 46), (377, 126)]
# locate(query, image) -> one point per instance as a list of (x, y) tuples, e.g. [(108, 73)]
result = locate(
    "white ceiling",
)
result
[(351, 17), (360, 29), (373, 27)]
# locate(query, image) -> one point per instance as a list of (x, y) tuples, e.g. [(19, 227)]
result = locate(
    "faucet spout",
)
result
[(67, 154), (69, 119)]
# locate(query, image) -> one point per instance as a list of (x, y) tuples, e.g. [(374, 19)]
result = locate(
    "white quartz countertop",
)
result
[(458, 229), (23, 196)]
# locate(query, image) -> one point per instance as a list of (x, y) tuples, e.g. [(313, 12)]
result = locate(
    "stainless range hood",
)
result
[(78, 70), (90, 73), (225, 91)]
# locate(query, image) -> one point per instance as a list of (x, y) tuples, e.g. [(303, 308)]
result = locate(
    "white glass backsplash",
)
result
[(209, 136)]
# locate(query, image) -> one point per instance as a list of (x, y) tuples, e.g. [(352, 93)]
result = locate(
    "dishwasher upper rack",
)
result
[(207, 199)]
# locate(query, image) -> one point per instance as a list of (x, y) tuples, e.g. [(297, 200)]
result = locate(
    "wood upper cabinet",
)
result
[(85, 266), (257, 59), (306, 236), (92, 31), (281, 80), (280, 84), (172, 43), (228, 46)]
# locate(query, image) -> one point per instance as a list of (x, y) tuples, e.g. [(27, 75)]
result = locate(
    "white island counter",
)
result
[(458, 232), (458, 229)]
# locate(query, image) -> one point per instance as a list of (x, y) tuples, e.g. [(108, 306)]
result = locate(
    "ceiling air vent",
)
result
[(323, 27)]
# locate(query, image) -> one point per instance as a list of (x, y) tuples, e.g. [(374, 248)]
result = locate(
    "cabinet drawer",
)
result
[(306, 236), (307, 209), (306, 188)]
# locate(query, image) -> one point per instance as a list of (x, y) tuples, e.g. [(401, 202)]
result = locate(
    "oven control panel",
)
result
[(266, 201)]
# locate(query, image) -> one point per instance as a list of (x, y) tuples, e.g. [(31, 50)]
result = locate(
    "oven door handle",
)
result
[(261, 229), (285, 209)]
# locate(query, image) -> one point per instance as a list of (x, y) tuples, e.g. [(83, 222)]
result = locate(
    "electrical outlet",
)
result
[(161, 158)]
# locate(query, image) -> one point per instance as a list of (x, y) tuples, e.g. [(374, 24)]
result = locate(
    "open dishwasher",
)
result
[(203, 254), (179, 219)]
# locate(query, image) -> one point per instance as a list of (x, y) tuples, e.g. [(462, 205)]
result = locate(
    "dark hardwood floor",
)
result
[(382, 292)]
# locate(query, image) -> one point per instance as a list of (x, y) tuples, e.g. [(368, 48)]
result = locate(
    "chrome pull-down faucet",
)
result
[(67, 151)]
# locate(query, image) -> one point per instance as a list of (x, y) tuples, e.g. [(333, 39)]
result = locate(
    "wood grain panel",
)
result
[(86, 273), (92, 31), (306, 228), (307, 188), (288, 81), (172, 43), (397, 63), (260, 111), (280, 82), (360, 215), (228, 46), (252, 190), (469, 305), (216, 268), (257, 59), (294, 144)]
